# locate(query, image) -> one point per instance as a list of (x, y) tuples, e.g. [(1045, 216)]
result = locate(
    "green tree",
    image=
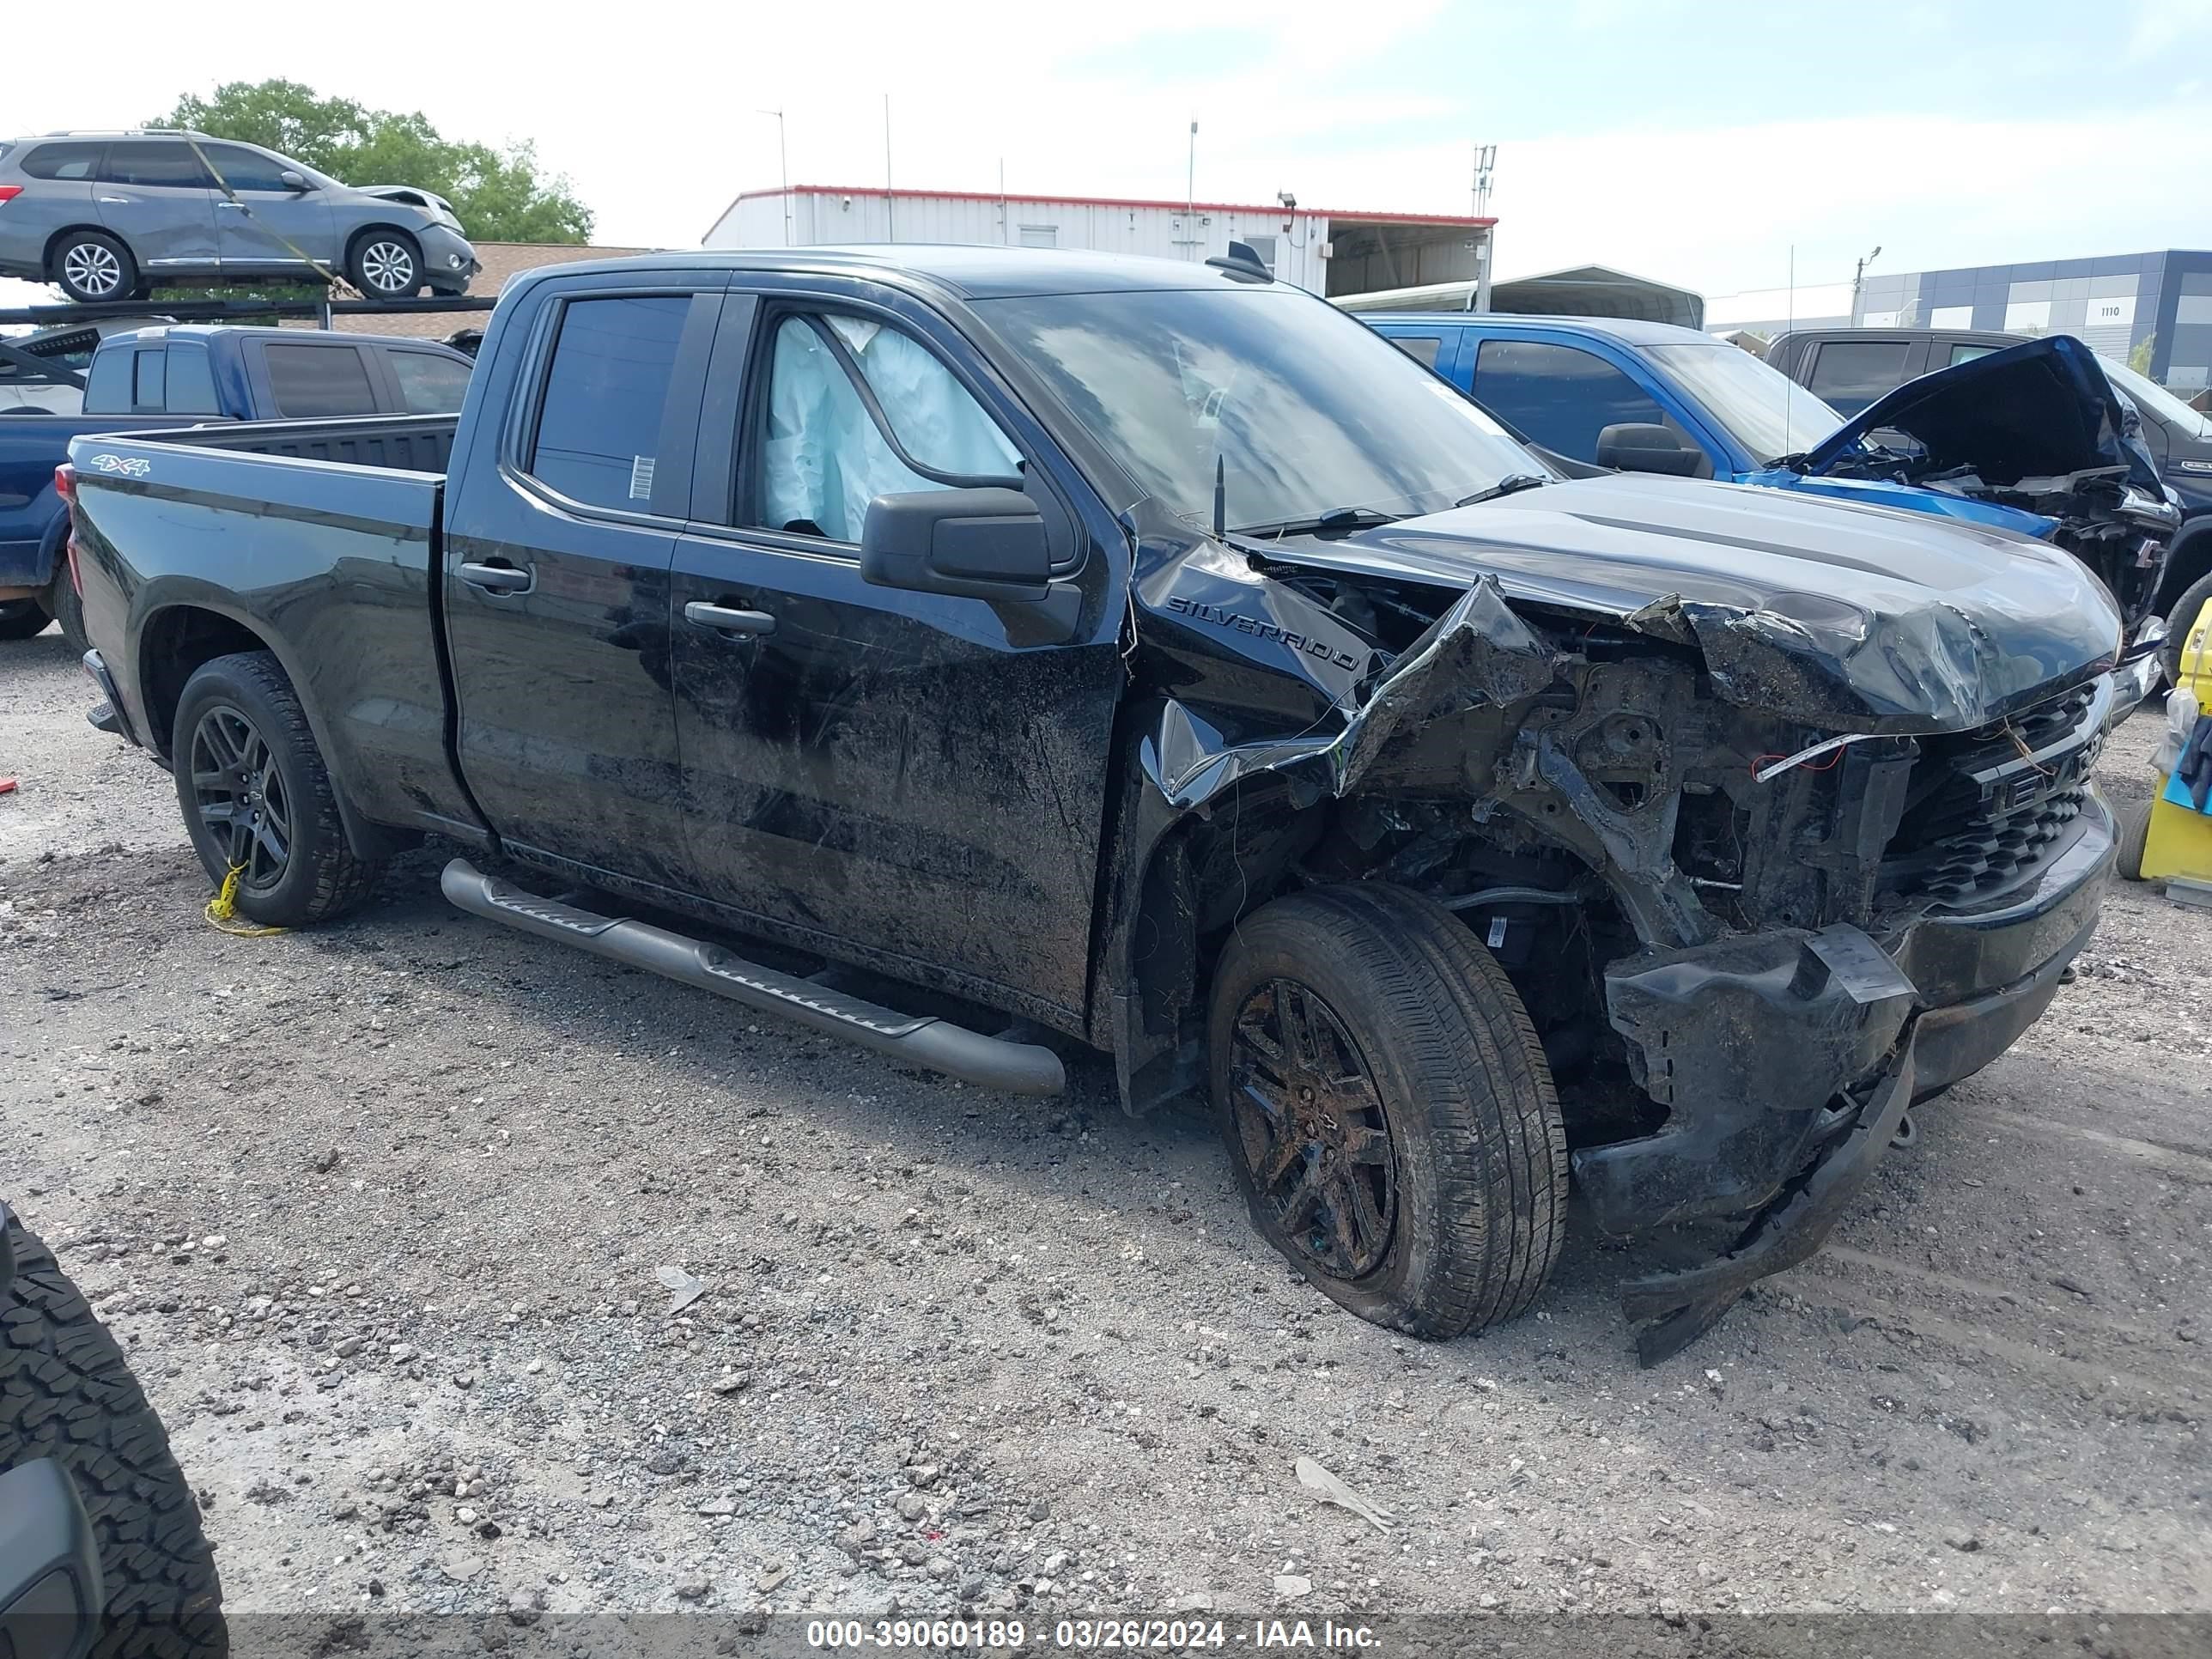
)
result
[(2145, 352), (500, 194)]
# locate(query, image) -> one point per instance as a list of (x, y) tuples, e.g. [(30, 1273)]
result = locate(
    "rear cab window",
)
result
[(430, 384), (317, 382), (605, 407), (107, 382), (1421, 348), (1849, 375), (191, 379)]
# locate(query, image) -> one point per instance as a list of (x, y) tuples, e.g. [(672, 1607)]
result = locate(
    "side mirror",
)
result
[(293, 180), (987, 544), (1644, 447)]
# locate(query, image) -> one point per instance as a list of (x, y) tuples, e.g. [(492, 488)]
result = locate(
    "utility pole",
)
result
[(1190, 196), (783, 170), (1486, 164), (890, 230), (1858, 276)]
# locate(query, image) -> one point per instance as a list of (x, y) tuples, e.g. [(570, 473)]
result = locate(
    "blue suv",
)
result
[(2032, 439)]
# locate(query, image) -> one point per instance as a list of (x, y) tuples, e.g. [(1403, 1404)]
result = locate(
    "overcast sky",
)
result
[(1697, 143)]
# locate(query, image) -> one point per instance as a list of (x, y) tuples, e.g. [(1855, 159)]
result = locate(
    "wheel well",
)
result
[(55, 241), (2191, 559), (176, 643), (354, 241)]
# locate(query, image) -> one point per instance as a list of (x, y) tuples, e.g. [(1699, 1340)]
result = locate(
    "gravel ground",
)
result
[(382, 1210)]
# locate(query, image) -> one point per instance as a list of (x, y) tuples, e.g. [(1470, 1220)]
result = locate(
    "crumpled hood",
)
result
[(1851, 619), (2043, 408)]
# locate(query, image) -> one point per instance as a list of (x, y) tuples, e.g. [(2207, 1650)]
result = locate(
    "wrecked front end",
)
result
[(2035, 427), (1765, 864)]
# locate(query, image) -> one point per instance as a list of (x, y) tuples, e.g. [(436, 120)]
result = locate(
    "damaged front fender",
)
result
[(1478, 653)]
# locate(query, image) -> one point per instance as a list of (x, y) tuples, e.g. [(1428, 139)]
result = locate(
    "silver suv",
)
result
[(108, 215)]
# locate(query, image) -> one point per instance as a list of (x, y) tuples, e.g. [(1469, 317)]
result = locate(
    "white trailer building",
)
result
[(1327, 250)]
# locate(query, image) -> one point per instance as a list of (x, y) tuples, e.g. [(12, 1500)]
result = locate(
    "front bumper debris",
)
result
[(1787, 1059)]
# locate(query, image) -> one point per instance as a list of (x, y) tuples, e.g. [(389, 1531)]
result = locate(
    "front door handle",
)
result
[(727, 620), (115, 201), (496, 578)]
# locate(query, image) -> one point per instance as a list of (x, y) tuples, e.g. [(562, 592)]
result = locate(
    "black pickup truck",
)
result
[(1152, 656)]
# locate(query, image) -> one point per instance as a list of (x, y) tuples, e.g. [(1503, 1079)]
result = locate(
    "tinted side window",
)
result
[(1560, 397), (141, 162), (1967, 353), (316, 382), (1851, 373), (107, 383), (599, 425), (1421, 348), (430, 385), (63, 161), (245, 169), (150, 385), (192, 386)]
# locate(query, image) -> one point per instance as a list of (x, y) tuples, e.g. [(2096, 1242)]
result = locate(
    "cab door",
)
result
[(558, 542), (155, 196), (913, 780), (262, 223)]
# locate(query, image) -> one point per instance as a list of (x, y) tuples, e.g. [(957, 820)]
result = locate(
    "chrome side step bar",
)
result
[(1021, 1068)]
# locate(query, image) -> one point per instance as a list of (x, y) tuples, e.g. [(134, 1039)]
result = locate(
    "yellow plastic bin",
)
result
[(2172, 842)]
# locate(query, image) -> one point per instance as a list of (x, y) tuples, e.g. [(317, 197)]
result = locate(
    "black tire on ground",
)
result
[(23, 619), (2134, 832), (2177, 620), (386, 264), (64, 604), (90, 266), (256, 795), (1422, 1179), (66, 1392)]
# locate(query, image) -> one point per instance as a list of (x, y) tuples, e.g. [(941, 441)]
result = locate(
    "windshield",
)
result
[(1308, 411), (2151, 397), (1762, 408)]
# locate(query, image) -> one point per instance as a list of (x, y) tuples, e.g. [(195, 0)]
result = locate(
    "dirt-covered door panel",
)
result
[(917, 776)]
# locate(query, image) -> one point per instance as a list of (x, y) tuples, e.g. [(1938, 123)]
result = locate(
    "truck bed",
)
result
[(321, 539), (405, 443)]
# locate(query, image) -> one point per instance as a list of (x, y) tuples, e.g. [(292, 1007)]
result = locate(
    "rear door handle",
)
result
[(496, 578), (115, 201), (724, 619)]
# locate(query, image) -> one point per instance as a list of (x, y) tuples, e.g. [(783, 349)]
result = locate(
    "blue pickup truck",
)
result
[(188, 376), (2032, 439)]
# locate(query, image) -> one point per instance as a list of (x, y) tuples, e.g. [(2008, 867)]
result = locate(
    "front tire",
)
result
[(1388, 1111), (386, 264), (67, 1393), (91, 266), (258, 799)]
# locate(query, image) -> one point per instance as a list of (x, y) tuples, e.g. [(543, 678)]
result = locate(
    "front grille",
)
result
[(1984, 808)]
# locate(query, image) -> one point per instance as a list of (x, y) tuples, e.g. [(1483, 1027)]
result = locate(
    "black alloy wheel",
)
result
[(241, 797), (1313, 1129)]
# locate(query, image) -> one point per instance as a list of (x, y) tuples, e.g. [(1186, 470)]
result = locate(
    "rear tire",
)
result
[(91, 266), (1388, 1111), (67, 1393), (256, 796), (64, 603), (2177, 620), (23, 619)]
